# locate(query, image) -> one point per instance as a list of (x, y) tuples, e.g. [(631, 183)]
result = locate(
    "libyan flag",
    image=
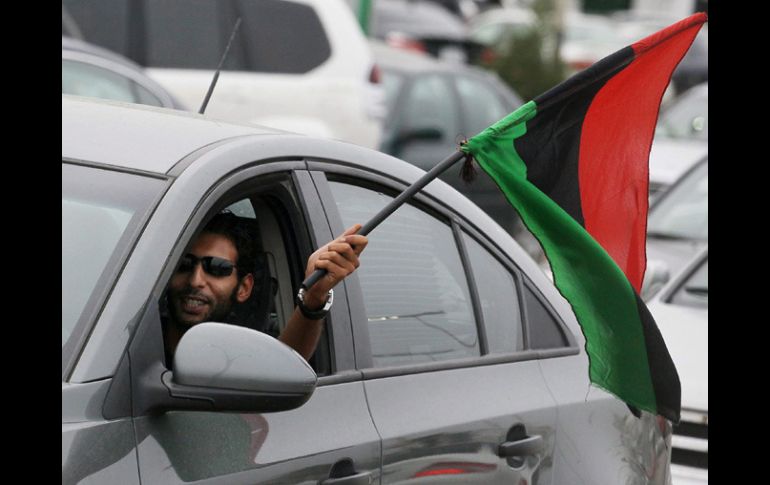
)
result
[(574, 163)]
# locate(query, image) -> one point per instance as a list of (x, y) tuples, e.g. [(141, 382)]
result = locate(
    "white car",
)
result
[(296, 65), (681, 312), (681, 138)]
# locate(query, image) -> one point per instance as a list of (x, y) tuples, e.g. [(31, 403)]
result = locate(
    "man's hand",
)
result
[(339, 258)]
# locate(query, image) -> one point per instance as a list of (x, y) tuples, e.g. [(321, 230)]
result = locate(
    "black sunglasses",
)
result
[(212, 265)]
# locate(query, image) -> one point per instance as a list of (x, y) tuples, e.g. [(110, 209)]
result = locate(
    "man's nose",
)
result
[(197, 276)]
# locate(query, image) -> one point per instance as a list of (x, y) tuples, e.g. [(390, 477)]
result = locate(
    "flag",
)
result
[(574, 164)]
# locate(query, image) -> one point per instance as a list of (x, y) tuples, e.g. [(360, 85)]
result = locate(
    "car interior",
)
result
[(279, 268)]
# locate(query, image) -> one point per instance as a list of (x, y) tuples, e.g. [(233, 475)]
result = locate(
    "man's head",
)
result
[(214, 274)]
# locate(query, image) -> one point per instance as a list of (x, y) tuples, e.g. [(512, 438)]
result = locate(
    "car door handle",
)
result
[(361, 478), (525, 446)]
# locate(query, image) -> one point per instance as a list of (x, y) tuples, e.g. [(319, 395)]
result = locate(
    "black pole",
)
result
[(395, 204)]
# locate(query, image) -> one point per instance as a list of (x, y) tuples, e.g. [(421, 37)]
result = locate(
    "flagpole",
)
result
[(395, 204)]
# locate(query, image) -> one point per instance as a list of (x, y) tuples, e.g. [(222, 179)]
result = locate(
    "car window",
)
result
[(100, 208), (694, 292), (282, 37), (429, 104), (270, 220), (101, 22), (498, 298), (186, 34), (88, 80), (480, 104), (415, 291), (683, 211), (276, 36), (544, 331), (143, 96), (83, 79)]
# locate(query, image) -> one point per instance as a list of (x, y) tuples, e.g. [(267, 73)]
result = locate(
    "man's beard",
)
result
[(221, 311)]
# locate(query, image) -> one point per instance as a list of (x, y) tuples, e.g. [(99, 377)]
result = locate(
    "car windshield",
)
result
[(687, 118), (100, 212), (682, 212)]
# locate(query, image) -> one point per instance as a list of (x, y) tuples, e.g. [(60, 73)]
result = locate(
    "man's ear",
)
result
[(244, 288)]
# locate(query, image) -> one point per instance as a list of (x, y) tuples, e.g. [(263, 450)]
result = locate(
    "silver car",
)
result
[(678, 221), (89, 70), (682, 313), (447, 357)]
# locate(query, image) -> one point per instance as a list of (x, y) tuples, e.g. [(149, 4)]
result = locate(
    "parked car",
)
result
[(681, 138), (424, 372), (88, 70), (678, 221), (431, 106), (423, 27), (681, 312), (496, 27), (586, 38), (692, 69), (297, 65)]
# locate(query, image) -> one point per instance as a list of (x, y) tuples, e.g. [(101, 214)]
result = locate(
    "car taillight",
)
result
[(403, 41), (488, 56), (375, 75)]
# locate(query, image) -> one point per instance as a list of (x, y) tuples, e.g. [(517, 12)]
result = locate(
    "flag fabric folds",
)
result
[(574, 163)]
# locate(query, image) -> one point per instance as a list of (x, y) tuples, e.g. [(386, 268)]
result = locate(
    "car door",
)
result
[(330, 436), (449, 409)]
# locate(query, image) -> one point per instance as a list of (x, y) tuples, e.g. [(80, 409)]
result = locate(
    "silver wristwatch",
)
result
[(314, 314)]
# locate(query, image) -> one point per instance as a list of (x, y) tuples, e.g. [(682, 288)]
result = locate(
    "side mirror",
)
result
[(220, 367), (655, 277)]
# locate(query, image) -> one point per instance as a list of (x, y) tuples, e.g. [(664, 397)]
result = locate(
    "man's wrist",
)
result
[(312, 306)]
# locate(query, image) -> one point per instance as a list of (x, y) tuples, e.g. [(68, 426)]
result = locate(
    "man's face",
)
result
[(196, 296)]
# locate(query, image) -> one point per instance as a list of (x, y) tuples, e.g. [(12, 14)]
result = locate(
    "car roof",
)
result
[(139, 137)]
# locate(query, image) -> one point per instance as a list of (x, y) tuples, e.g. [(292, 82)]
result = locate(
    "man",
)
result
[(216, 274)]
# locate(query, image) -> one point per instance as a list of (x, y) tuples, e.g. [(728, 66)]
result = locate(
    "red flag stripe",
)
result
[(615, 146)]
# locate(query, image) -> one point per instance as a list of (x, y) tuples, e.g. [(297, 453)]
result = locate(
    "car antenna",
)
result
[(219, 68)]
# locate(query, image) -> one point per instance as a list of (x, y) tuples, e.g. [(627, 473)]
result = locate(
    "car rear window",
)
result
[(275, 36)]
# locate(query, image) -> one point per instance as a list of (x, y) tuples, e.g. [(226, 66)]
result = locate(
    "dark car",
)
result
[(89, 70), (447, 356), (424, 27), (432, 106)]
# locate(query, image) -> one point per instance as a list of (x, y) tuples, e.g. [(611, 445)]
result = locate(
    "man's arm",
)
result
[(339, 258)]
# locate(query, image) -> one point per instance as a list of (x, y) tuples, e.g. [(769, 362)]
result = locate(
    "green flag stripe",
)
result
[(601, 296)]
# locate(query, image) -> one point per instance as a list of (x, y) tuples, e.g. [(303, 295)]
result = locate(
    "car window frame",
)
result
[(428, 203), (146, 355)]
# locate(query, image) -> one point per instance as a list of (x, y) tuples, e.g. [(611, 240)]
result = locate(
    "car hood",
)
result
[(670, 158), (685, 331)]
